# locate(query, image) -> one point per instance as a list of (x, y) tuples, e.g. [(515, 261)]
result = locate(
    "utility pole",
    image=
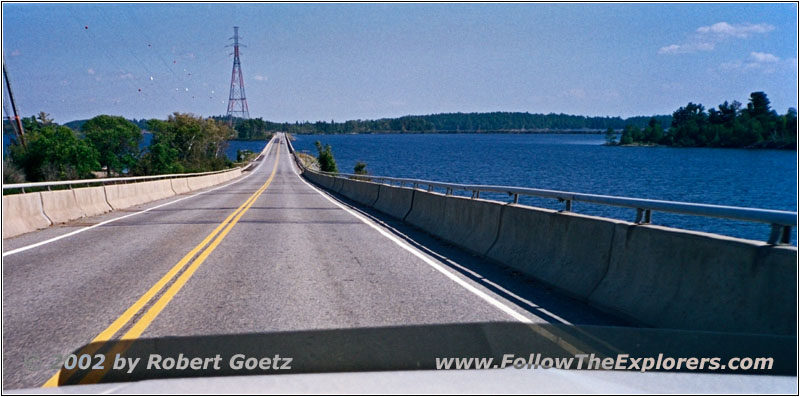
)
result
[(17, 122), (237, 101)]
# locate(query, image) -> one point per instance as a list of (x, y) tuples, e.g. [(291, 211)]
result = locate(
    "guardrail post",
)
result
[(516, 198), (647, 216), (568, 206), (780, 234), (639, 214), (449, 192), (430, 188)]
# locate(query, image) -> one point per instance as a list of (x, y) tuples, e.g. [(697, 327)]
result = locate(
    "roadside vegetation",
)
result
[(111, 145), (360, 168), (308, 160), (325, 158)]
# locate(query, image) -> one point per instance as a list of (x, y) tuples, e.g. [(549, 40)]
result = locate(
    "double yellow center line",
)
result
[(136, 330)]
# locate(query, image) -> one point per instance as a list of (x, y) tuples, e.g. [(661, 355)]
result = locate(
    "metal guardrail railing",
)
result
[(781, 221)]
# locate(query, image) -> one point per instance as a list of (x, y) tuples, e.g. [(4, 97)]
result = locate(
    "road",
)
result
[(290, 258)]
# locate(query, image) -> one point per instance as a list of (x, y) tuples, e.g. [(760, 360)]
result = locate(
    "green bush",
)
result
[(325, 157), (360, 168)]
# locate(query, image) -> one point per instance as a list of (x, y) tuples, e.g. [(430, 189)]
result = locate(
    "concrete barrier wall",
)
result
[(126, 195), (394, 201), (566, 250), (361, 191), (326, 181), (337, 184), (471, 224), (180, 185), (427, 212), (92, 200), (61, 206), (653, 275), (675, 278), (199, 182), (23, 213)]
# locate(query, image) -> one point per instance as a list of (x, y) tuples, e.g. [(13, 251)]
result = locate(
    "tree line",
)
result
[(442, 123), (731, 125), (113, 145)]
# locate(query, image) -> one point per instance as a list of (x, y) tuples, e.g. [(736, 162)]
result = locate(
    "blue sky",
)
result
[(360, 61)]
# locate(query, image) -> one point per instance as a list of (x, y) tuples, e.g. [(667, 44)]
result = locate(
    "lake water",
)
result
[(580, 163)]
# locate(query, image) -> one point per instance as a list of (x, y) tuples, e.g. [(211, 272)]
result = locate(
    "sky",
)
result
[(365, 61)]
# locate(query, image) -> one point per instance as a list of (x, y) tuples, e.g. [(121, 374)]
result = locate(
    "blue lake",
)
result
[(580, 163)]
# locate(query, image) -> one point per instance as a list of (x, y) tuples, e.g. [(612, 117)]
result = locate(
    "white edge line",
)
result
[(74, 232), (469, 287)]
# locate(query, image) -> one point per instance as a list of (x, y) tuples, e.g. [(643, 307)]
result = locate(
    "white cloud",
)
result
[(126, 76), (15, 53), (763, 57), (259, 77), (706, 38), (686, 48), (724, 29), (90, 71), (760, 61)]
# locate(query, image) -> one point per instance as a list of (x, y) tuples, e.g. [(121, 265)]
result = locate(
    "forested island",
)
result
[(728, 126)]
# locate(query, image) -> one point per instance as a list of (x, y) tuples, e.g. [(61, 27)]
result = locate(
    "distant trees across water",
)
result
[(443, 123), (728, 125)]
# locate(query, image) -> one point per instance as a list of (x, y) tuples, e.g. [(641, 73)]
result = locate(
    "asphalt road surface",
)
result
[(265, 252)]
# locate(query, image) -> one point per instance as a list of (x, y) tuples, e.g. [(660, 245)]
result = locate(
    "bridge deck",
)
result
[(297, 259)]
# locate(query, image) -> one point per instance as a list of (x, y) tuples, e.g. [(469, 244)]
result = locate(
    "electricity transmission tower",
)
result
[(237, 101)]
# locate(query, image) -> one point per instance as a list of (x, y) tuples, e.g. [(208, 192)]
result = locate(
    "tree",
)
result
[(611, 136), (360, 168), (186, 143), (626, 138), (53, 152), (689, 125), (790, 127), (116, 141), (653, 132), (44, 118), (325, 158)]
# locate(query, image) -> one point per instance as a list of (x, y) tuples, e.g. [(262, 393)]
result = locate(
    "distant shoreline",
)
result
[(564, 132)]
